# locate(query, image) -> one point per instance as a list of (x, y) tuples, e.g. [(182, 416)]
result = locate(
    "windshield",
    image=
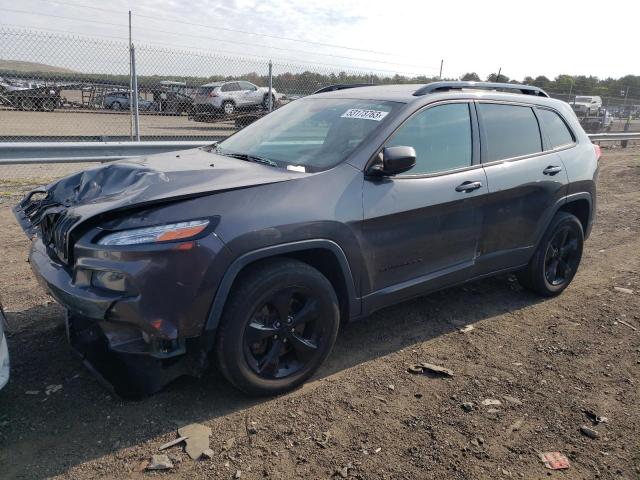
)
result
[(583, 99), (311, 134)]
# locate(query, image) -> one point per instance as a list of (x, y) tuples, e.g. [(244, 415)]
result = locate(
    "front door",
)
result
[(421, 228), (250, 94)]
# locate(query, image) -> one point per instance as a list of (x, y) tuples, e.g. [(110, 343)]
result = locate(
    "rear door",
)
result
[(423, 226), (526, 178), (231, 91)]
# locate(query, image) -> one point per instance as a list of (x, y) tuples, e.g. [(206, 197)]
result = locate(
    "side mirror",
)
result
[(394, 160)]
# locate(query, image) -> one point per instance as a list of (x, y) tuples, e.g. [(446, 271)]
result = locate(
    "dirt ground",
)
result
[(91, 123), (364, 416)]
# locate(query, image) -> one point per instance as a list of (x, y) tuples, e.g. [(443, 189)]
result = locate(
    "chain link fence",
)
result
[(59, 87), (66, 88)]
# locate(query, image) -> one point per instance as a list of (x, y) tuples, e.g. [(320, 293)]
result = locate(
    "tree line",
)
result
[(300, 83), (628, 85)]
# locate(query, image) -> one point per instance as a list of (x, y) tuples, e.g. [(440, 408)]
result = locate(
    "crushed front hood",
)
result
[(143, 181)]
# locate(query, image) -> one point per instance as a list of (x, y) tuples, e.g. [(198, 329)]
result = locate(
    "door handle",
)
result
[(552, 170), (468, 186)]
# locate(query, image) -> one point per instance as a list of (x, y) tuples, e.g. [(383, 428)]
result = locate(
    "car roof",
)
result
[(437, 91), (213, 84)]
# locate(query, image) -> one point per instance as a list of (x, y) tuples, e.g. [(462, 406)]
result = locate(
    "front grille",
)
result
[(39, 213), (55, 229)]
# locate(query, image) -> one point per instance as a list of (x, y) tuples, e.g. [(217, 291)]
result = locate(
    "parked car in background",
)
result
[(171, 102), (120, 101), (228, 97), (586, 105), (254, 251), (40, 98), (4, 350), (598, 123), (630, 111)]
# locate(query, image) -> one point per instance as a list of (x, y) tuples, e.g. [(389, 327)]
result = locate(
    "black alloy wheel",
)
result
[(279, 324), (561, 259), (284, 334), (557, 257)]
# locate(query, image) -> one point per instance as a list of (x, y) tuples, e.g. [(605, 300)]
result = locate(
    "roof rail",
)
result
[(341, 86), (446, 86)]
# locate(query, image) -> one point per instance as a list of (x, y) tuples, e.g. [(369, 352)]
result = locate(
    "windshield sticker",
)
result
[(376, 115), (296, 168)]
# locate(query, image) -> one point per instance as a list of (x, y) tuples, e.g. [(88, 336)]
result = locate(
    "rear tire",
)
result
[(557, 258), (27, 104), (279, 325), (228, 108)]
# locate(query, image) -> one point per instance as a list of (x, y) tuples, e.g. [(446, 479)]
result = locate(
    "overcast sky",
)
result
[(524, 38)]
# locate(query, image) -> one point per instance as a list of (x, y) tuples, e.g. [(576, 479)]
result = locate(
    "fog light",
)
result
[(115, 281)]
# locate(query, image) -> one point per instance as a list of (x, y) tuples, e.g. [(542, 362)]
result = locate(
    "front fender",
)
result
[(244, 260)]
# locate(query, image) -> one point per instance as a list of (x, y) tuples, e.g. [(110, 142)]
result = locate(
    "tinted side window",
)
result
[(555, 128), (441, 136), (510, 131), (230, 87), (247, 86)]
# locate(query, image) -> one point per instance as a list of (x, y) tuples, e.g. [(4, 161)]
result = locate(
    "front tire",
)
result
[(49, 105), (265, 101), (279, 325), (557, 258)]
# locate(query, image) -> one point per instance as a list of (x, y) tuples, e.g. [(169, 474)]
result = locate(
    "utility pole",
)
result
[(498, 77), (270, 103), (440, 76), (133, 98), (626, 94), (130, 84)]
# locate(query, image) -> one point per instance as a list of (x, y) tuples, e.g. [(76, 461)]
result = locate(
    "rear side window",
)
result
[(554, 127), (441, 136), (230, 87), (509, 131), (247, 86), (206, 90)]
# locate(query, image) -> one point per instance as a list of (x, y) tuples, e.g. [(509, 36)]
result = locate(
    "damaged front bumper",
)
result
[(148, 330), (131, 372)]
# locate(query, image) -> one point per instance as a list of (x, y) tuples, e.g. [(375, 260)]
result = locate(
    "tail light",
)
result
[(598, 151), (213, 93)]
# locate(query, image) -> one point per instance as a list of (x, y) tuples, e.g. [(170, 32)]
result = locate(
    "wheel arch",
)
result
[(581, 208), (323, 254), (578, 204)]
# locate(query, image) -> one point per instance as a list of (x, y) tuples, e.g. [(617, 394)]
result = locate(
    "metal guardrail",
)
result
[(614, 137), (74, 152)]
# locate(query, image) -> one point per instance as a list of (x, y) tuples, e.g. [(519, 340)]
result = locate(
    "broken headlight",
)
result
[(157, 234)]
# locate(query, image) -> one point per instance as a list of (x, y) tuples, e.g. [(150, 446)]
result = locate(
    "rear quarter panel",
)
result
[(580, 162)]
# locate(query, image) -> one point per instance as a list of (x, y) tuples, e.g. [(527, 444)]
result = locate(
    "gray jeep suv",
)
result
[(254, 250)]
